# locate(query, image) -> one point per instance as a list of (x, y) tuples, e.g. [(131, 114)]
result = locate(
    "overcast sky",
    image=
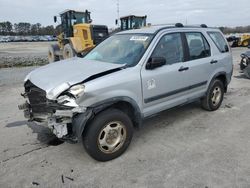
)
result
[(210, 12)]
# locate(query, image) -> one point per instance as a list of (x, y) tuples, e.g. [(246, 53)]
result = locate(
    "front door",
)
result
[(163, 86)]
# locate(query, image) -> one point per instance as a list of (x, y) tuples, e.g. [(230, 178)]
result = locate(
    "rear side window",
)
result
[(219, 41), (198, 46), (170, 47)]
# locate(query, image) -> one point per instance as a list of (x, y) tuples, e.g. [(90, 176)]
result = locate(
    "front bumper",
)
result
[(59, 118), (65, 124)]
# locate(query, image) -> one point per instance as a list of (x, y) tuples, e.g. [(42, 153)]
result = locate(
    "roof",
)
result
[(67, 10), (156, 28), (131, 15)]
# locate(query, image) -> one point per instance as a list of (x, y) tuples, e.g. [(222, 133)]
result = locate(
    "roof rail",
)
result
[(203, 25), (167, 24), (179, 25)]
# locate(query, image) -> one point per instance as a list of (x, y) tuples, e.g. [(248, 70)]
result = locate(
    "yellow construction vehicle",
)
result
[(78, 35), (132, 22), (244, 40)]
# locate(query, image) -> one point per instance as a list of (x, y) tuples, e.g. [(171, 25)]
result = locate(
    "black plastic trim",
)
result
[(157, 97)]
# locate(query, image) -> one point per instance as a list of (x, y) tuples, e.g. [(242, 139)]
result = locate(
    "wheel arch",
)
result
[(221, 76), (125, 104)]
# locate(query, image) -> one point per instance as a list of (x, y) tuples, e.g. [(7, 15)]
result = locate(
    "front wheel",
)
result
[(68, 52), (214, 97), (108, 135)]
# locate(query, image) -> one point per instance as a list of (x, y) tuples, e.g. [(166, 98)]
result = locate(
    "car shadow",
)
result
[(44, 135)]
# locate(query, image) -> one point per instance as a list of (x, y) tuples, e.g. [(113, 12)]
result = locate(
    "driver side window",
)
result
[(170, 47)]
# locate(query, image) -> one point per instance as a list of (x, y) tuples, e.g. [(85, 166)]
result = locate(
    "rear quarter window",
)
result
[(198, 45), (219, 41)]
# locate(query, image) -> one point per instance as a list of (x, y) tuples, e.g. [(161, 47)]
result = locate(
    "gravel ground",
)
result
[(182, 147), (16, 54)]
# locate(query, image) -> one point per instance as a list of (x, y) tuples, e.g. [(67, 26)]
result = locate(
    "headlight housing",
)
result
[(70, 96), (77, 90)]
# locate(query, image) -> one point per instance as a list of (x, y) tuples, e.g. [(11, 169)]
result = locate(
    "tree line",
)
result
[(239, 29), (24, 28)]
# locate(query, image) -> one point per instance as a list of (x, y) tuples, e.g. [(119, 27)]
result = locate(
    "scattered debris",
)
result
[(35, 183), (141, 160), (229, 105), (72, 170), (5, 150), (69, 178), (62, 179)]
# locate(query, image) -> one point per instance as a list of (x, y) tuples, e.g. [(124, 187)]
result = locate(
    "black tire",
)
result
[(68, 52), (95, 131), (207, 102), (52, 53), (245, 43)]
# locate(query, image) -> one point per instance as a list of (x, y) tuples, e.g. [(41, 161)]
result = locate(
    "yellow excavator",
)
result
[(78, 35), (244, 40), (132, 22)]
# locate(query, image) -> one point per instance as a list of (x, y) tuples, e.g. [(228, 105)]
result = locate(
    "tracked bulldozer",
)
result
[(78, 35)]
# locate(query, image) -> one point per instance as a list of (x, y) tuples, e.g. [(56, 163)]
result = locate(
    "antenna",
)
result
[(118, 12)]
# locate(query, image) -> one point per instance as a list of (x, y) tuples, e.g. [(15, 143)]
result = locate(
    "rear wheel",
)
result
[(108, 135), (212, 101), (52, 53), (68, 52)]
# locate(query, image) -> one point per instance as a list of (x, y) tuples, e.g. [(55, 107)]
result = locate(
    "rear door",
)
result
[(198, 64)]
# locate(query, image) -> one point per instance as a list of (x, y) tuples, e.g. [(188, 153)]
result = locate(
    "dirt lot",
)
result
[(23, 53), (184, 147), (24, 48)]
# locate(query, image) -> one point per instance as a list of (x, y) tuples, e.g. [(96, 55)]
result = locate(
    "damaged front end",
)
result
[(58, 114)]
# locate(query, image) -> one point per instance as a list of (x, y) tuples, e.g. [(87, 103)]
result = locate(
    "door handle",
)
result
[(213, 61), (183, 69)]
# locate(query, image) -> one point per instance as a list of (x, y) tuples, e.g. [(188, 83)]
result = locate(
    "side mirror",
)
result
[(116, 22), (155, 62), (90, 20), (55, 19)]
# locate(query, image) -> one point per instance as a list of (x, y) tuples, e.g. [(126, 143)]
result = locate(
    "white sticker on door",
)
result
[(151, 84)]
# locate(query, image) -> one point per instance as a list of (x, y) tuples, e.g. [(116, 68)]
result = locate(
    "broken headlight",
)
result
[(67, 101), (70, 98), (77, 90)]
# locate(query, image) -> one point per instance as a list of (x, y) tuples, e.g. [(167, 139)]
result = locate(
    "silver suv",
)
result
[(130, 76)]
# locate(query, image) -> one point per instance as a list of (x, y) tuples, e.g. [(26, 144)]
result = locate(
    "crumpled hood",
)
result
[(56, 77)]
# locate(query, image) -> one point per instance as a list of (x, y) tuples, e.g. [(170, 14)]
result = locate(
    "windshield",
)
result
[(121, 49)]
